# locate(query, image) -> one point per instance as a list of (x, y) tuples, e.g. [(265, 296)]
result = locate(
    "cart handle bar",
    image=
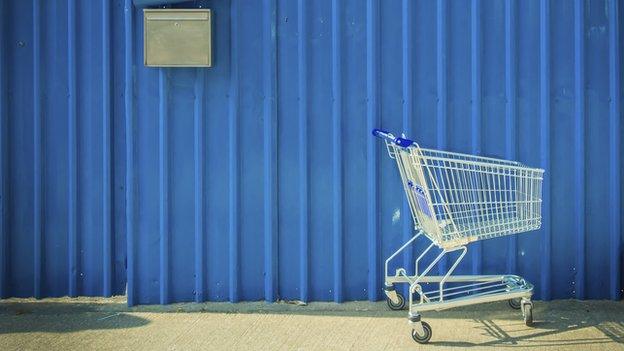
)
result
[(402, 142)]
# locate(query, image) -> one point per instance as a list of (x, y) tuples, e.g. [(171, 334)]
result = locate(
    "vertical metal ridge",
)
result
[(270, 151), (37, 150), (337, 174), (199, 159), (579, 145), (476, 108), (441, 128), (372, 120), (545, 145), (511, 111), (129, 124), (615, 177), (107, 189), (72, 147), (3, 164), (233, 156), (163, 188), (304, 205), (441, 73), (407, 45)]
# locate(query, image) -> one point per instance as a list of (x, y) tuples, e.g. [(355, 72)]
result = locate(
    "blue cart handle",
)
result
[(402, 142)]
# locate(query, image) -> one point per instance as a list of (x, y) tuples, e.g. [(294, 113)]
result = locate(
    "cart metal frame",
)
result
[(456, 199)]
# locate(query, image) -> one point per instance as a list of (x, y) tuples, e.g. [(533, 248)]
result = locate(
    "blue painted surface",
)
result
[(258, 178), (62, 141)]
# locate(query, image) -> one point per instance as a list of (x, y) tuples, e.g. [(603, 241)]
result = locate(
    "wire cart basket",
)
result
[(456, 199)]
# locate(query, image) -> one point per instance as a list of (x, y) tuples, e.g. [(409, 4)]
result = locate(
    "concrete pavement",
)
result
[(107, 324)]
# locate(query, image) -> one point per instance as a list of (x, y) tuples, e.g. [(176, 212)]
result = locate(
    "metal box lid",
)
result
[(177, 37)]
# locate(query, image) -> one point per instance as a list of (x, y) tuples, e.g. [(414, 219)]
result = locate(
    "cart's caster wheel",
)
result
[(422, 339), (396, 306), (528, 314), (515, 303)]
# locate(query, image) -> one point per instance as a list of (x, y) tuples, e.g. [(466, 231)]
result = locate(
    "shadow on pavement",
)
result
[(45, 317), (613, 332)]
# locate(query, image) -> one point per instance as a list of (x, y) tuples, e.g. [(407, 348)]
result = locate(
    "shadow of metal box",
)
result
[(177, 38)]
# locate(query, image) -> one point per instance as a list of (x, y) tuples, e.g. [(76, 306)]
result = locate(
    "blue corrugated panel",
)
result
[(258, 178), (62, 142)]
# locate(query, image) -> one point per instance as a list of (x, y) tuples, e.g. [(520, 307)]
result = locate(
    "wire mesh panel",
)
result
[(457, 198)]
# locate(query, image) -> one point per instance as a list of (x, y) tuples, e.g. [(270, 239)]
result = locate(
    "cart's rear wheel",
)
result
[(528, 314), (422, 339), (396, 306), (515, 303)]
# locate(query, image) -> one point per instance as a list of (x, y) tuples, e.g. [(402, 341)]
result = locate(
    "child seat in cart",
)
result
[(456, 199)]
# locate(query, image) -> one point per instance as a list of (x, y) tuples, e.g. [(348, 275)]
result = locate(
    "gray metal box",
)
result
[(177, 37)]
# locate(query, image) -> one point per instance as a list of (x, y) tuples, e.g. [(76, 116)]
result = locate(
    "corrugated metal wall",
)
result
[(63, 228), (258, 178)]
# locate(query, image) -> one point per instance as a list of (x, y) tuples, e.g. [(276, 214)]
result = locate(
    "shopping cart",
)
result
[(456, 199)]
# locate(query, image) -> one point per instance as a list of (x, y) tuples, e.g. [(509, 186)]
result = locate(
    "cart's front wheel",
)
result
[(396, 306), (515, 303), (528, 314), (422, 339)]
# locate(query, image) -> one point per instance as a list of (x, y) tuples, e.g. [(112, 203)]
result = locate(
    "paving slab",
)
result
[(108, 324)]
